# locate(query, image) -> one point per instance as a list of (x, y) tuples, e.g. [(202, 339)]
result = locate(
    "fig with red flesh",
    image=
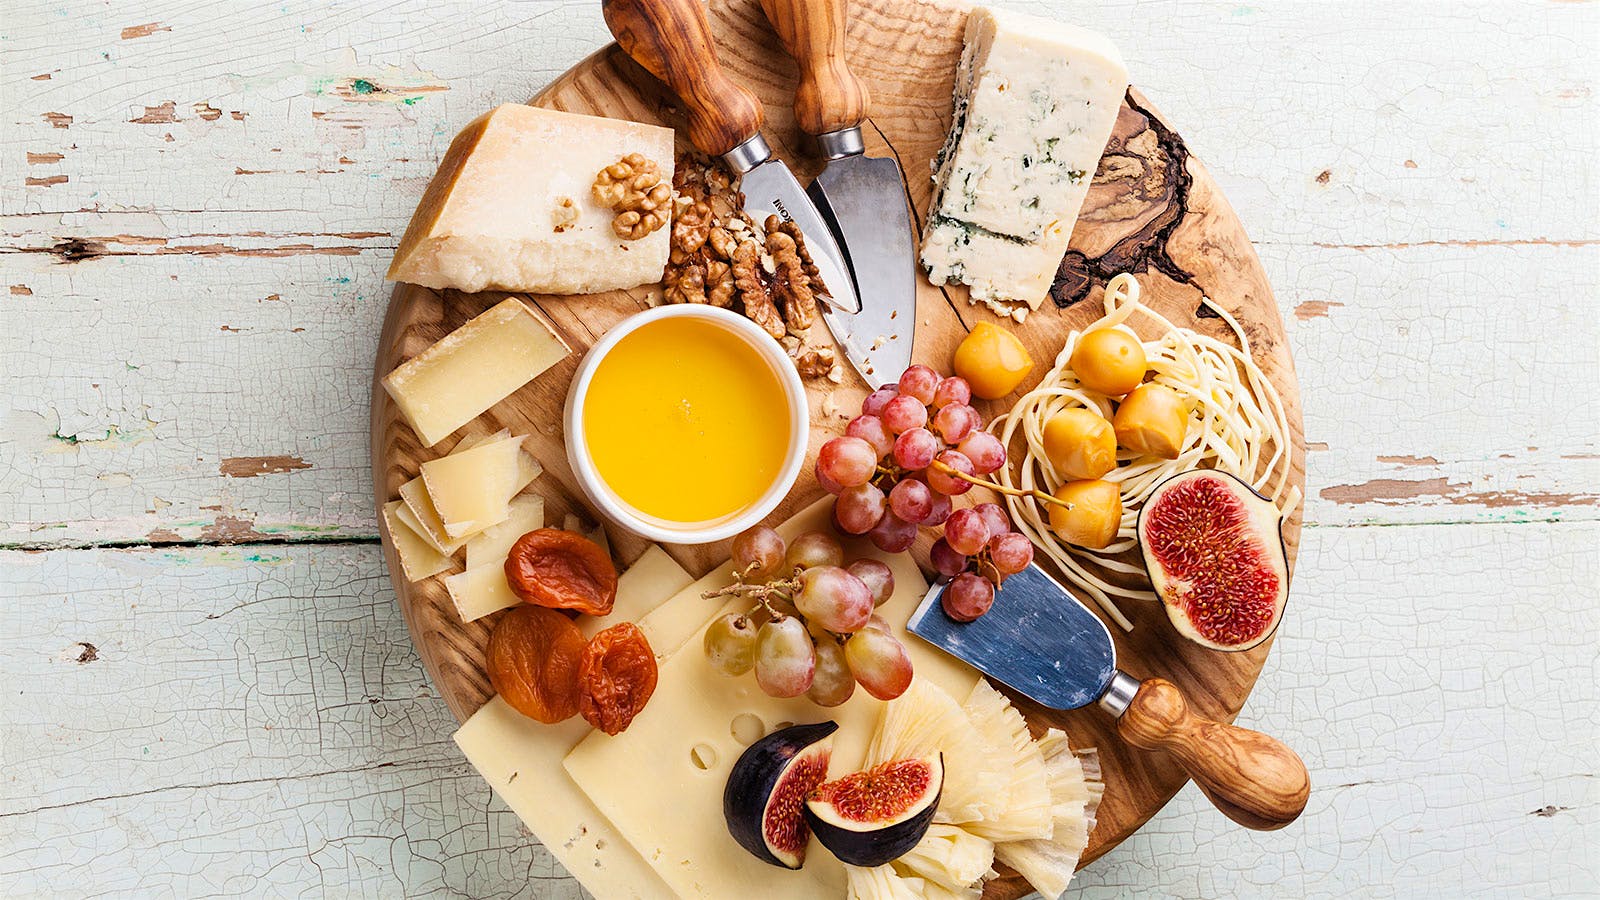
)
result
[(874, 817), (767, 790), (1214, 550)]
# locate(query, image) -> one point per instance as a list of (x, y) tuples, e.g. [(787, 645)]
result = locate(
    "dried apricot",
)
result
[(618, 675), (534, 659), (562, 570)]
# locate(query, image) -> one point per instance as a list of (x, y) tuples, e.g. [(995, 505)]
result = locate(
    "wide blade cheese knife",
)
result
[(861, 197), (1040, 641), (672, 40)]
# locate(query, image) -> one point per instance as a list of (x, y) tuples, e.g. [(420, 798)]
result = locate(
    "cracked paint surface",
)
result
[(214, 694)]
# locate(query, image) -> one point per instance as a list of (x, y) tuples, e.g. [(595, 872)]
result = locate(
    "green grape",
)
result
[(730, 644), (833, 683)]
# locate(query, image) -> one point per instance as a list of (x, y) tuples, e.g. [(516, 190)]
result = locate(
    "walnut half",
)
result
[(633, 189)]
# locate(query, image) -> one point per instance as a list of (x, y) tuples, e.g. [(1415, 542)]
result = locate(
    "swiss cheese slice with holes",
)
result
[(660, 782), (511, 207), (521, 758)]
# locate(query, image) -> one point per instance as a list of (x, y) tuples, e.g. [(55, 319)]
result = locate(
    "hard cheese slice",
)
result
[(479, 592), (1035, 102), (511, 207), (418, 558), (650, 783), (418, 511), (482, 588), (420, 514), (525, 513), (471, 490), (521, 760), (473, 368)]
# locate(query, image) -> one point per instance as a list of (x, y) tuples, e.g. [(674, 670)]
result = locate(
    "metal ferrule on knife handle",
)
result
[(672, 40), (842, 143), (748, 155)]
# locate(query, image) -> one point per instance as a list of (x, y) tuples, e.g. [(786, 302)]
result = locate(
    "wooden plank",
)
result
[(194, 423), (1447, 381), (198, 410), (171, 666), (1437, 772), (333, 113), (1353, 100), (170, 484)]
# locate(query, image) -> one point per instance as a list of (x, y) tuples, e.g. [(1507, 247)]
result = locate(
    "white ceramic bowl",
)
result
[(655, 529)]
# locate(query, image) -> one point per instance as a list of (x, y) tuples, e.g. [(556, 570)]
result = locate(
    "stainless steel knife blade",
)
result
[(862, 199), (771, 189), (1038, 639)]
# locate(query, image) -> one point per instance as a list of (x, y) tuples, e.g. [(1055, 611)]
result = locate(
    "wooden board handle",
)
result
[(1253, 779), (830, 97), (671, 39)]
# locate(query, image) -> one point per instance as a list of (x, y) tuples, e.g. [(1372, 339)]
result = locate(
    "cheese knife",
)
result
[(672, 41), (862, 198), (1041, 641)]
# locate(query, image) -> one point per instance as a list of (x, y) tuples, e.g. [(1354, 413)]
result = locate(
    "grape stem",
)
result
[(761, 593), (1040, 496)]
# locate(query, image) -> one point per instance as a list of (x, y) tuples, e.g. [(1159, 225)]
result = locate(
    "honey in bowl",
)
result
[(686, 422)]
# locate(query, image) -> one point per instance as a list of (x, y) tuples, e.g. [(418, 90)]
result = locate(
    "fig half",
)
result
[(1214, 550), (767, 790), (874, 817)]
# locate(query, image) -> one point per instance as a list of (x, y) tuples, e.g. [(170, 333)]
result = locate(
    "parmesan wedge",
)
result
[(511, 207)]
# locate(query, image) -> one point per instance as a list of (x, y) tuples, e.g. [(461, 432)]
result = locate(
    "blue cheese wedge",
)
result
[(1035, 101)]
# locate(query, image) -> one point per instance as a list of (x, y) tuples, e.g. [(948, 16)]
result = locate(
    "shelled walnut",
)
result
[(633, 189), (790, 281), (691, 223), (719, 256)]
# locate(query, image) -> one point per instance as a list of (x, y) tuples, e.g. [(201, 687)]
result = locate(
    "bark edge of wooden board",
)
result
[(1154, 211)]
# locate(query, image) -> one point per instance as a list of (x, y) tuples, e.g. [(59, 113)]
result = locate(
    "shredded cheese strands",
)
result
[(949, 856), (885, 883), (1025, 812), (1075, 791), (1237, 423)]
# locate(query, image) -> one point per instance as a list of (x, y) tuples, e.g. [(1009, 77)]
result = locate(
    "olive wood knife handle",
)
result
[(830, 97), (672, 40), (1253, 779)]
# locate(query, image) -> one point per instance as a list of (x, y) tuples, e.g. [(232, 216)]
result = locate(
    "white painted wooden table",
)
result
[(206, 688)]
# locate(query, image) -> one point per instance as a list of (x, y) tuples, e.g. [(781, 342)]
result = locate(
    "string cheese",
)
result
[(1238, 423)]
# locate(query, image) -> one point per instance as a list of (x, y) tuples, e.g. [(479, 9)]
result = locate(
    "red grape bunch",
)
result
[(916, 445), (812, 630)]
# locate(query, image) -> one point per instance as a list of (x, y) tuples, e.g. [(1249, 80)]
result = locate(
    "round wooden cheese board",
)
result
[(1153, 210)]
